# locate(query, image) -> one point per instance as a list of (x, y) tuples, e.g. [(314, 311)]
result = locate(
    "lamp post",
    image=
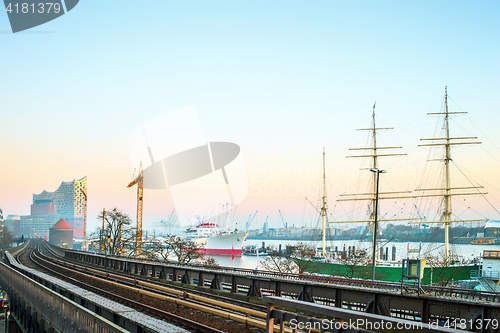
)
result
[(378, 172)]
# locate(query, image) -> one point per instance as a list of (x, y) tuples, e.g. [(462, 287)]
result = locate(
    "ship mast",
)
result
[(372, 196), (323, 208), (448, 191), (375, 166), (447, 159)]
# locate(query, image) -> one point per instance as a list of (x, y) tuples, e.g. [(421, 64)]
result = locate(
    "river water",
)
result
[(465, 251)]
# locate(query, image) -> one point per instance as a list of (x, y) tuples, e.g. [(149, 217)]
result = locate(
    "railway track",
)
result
[(148, 282), (29, 255), (239, 315)]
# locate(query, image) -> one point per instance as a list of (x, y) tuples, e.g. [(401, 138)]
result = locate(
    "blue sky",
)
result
[(280, 78)]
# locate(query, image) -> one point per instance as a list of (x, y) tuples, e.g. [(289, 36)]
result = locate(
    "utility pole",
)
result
[(102, 230)]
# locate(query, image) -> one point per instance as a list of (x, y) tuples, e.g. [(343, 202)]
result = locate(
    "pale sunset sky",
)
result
[(282, 79)]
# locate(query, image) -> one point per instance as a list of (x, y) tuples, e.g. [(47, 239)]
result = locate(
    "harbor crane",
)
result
[(250, 220), (425, 225), (169, 222), (139, 180), (283, 220)]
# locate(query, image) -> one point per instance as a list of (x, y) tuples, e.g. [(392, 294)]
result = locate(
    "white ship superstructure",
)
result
[(216, 240)]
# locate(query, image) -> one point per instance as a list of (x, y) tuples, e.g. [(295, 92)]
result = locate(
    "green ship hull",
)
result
[(440, 275)]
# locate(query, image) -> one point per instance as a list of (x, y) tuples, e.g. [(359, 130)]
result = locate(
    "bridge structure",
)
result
[(40, 303), (312, 297)]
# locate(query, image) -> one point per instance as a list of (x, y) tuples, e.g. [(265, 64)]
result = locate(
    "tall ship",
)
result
[(217, 241), (442, 268)]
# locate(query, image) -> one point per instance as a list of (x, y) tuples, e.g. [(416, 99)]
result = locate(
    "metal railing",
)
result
[(58, 312), (494, 275), (308, 317), (395, 287)]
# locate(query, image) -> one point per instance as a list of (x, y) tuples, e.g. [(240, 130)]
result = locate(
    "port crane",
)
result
[(250, 220), (283, 220), (169, 222), (139, 180), (422, 218)]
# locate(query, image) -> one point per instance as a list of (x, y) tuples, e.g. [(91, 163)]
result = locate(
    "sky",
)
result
[(282, 79)]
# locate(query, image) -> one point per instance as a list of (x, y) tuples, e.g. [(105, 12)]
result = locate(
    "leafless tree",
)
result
[(158, 248), (278, 262), (302, 254), (208, 261), (295, 259), (445, 271), (356, 265), (118, 236), (184, 250)]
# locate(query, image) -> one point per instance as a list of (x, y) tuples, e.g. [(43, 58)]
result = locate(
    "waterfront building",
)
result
[(61, 234), (492, 229), (37, 226), (68, 201)]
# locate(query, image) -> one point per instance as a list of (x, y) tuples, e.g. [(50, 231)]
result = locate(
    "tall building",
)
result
[(13, 223), (37, 225), (67, 202)]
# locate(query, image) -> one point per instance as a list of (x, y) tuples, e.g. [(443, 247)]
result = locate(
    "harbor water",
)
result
[(463, 251)]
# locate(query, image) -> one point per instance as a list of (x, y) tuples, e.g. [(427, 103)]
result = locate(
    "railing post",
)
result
[(270, 318), (234, 285), (425, 311), (201, 281)]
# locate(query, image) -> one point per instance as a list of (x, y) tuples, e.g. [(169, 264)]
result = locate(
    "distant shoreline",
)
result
[(463, 240)]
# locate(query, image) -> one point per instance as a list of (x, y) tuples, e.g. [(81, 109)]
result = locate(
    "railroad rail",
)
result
[(91, 298), (224, 309), (38, 306), (156, 267), (141, 281), (381, 298)]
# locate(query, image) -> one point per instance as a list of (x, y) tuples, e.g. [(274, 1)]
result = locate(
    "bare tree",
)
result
[(208, 261), (296, 259), (356, 265), (118, 236), (278, 262), (445, 271), (185, 250), (158, 248), (302, 254)]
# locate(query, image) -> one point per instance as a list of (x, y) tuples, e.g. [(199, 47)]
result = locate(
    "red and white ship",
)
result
[(216, 240)]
